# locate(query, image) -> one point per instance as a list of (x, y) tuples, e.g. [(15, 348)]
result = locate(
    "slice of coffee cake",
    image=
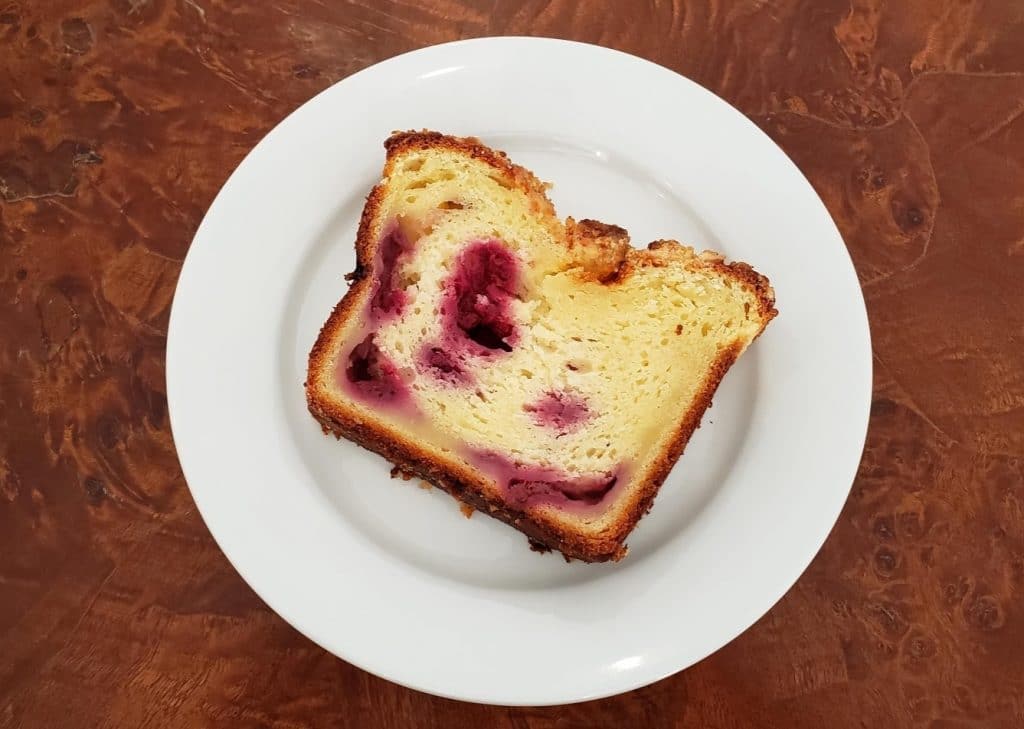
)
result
[(545, 373)]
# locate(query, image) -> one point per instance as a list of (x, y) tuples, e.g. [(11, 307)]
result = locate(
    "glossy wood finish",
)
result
[(119, 121)]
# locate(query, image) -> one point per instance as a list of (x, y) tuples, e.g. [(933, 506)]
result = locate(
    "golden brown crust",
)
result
[(462, 482), (599, 248)]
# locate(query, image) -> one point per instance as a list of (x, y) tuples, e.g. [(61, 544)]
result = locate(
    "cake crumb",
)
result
[(466, 509), (538, 547), (425, 485), (397, 472)]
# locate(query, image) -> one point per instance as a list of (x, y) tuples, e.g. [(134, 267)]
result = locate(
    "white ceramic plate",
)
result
[(391, 577)]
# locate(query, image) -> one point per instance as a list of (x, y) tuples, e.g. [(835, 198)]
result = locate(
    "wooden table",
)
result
[(119, 121)]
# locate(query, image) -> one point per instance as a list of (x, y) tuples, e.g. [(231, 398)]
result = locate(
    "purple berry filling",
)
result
[(476, 309), (372, 377), (443, 365), (527, 485), (388, 298), (476, 313), (562, 411)]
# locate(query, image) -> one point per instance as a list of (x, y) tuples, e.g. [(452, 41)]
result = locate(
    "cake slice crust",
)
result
[(519, 362)]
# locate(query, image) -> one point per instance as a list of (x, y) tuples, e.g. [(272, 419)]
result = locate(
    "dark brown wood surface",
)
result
[(119, 121)]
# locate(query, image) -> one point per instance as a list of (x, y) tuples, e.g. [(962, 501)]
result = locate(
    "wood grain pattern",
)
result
[(119, 121)]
